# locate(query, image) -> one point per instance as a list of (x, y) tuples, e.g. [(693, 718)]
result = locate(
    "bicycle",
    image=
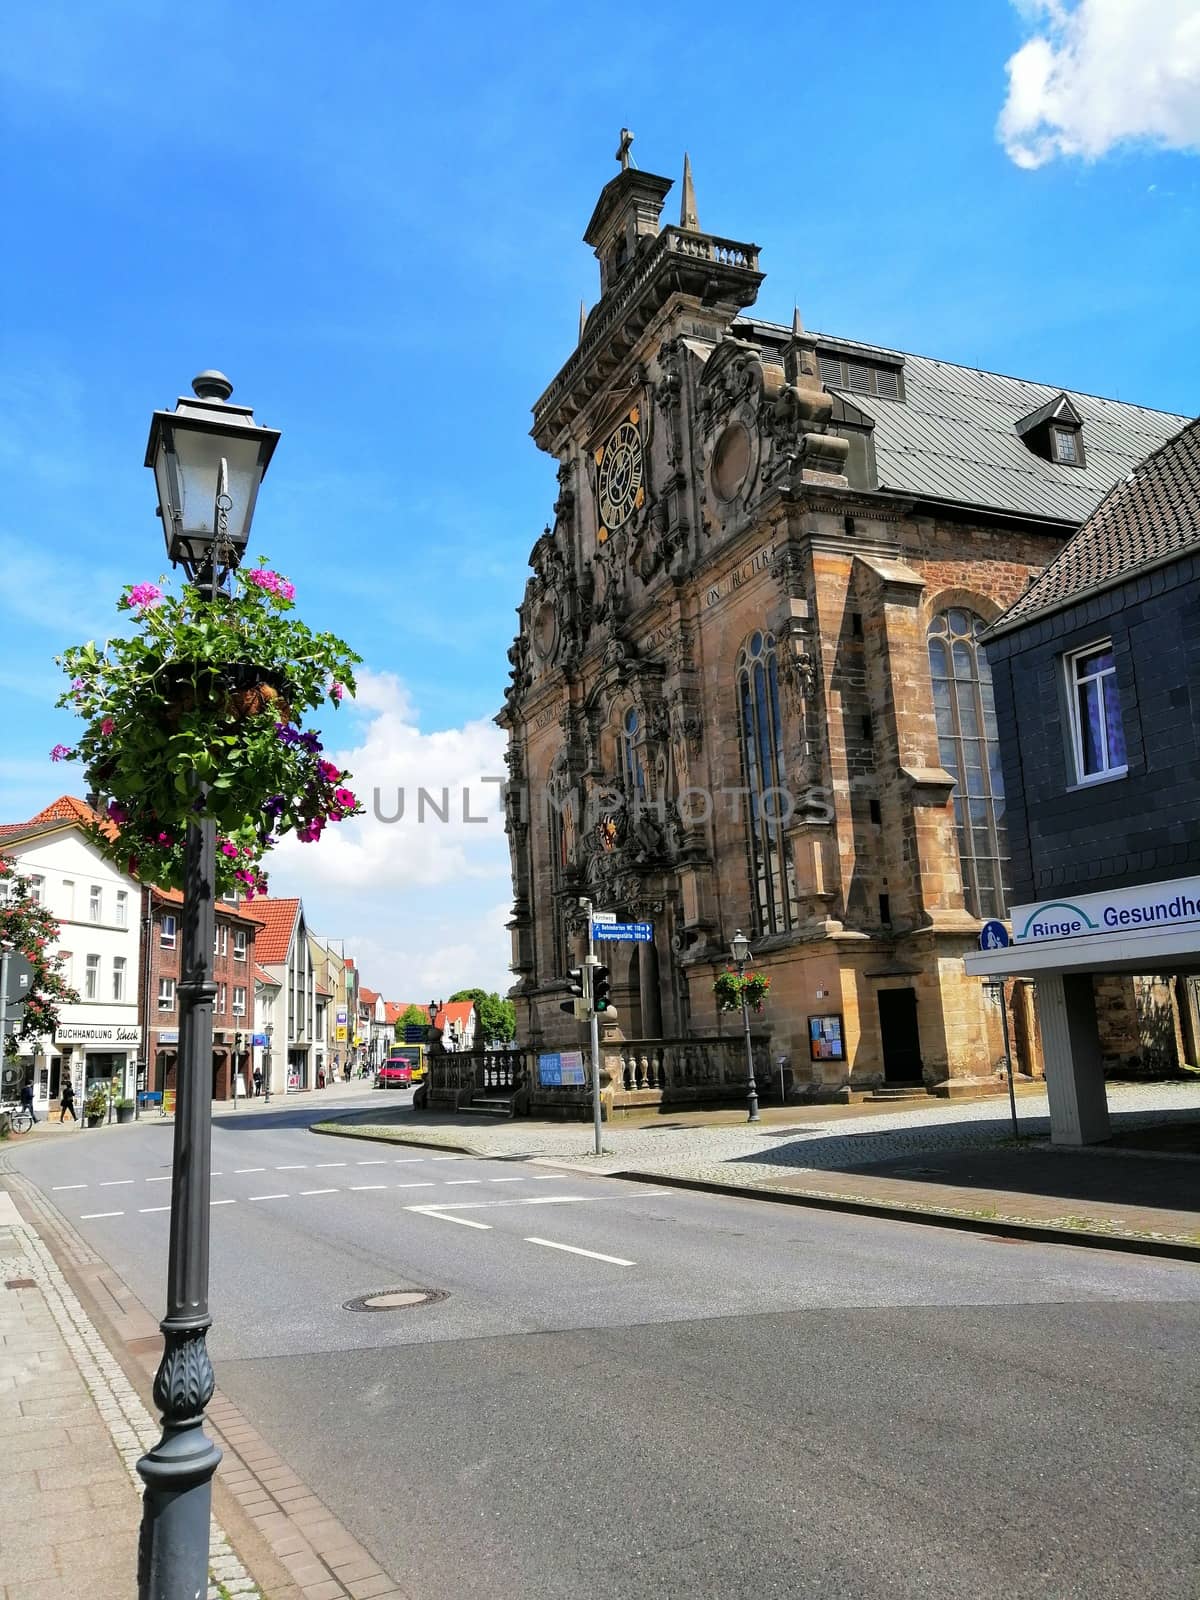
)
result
[(20, 1118)]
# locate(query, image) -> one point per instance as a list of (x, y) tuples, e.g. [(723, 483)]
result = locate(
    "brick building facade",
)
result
[(233, 1008), (748, 689)]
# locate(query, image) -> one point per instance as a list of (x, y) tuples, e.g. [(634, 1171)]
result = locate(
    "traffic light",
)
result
[(579, 988), (600, 989)]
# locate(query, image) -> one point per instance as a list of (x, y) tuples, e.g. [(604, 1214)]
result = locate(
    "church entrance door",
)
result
[(900, 1035)]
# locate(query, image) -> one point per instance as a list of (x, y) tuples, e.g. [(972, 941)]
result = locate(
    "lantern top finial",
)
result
[(211, 385)]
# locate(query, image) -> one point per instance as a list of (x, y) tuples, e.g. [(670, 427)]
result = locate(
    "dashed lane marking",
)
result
[(329, 1163), (165, 1179), (143, 1209), (506, 1180), (318, 1191), (428, 1184), (356, 1188), (270, 1197), (91, 1216), (378, 1161), (58, 1186), (294, 1166), (239, 1170), (113, 1183), (222, 1202), (457, 1183), (574, 1249)]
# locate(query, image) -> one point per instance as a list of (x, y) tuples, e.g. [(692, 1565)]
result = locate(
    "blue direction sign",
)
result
[(639, 932), (994, 936)]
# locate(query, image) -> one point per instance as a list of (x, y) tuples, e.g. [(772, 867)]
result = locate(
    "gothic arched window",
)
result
[(772, 874), (970, 753)]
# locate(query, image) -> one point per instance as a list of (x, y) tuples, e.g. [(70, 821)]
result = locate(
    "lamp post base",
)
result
[(177, 1505), (752, 1101)]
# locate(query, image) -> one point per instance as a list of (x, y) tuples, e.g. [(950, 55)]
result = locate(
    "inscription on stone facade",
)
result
[(731, 581)]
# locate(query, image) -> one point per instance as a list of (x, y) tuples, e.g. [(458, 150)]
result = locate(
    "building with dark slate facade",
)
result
[(1096, 673), (748, 689)]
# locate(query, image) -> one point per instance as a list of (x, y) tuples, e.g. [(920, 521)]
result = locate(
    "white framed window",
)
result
[(166, 994), (166, 931), (221, 996), (96, 903), (37, 889), (91, 978), (122, 908), (220, 941), (1064, 446), (239, 944), (69, 898), (224, 941), (1097, 732), (239, 1001), (118, 977)]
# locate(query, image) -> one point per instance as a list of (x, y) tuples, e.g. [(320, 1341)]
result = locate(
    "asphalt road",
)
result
[(630, 1392)]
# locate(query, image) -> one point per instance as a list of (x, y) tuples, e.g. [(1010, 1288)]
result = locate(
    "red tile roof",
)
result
[(278, 920), (265, 977), (368, 996), (392, 1012), (456, 1011), (224, 908), (66, 809)]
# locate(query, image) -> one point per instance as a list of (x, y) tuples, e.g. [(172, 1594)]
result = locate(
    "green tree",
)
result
[(411, 1017), (29, 929), (497, 1017)]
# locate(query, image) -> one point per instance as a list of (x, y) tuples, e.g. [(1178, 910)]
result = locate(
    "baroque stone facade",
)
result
[(721, 712)]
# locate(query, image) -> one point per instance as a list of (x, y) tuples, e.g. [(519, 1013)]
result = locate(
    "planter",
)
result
[(95, 1120), (124, 1113)]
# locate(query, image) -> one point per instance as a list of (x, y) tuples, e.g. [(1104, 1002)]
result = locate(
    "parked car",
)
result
[(394, 1075)]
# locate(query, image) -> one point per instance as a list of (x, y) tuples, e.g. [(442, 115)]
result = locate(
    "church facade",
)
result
[(747, 690)]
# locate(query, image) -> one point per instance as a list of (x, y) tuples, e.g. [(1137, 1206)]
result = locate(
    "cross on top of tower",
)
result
[(623, 155)]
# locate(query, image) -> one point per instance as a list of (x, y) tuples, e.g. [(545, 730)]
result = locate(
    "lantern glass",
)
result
[(740, 947)]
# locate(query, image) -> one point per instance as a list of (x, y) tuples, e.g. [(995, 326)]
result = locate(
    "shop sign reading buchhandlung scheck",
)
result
[(97, 1033)]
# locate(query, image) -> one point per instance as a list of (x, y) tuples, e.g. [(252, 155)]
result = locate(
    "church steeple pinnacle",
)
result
[(687, 207)]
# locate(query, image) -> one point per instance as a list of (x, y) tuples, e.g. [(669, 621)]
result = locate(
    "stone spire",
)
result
[(687, 208), (582, 320), (800, 353)]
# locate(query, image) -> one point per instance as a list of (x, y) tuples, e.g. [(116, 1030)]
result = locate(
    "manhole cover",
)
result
[(394, 1299)]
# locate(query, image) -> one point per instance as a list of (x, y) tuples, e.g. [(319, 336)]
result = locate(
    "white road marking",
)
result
[(358, 1187), (506, 1180), (377, 1161), (451, 1158), (329, 1163), (466, 1222), (552, 1244), (546, 1177), (270, 1197), (222, 1202), (90, 1216), (318, 1191), (407, 1161), (249, 1169), (112, 1183), (216, 1174), (294, 1166), (428, 1185), (167, 1179), (58, 1186), (143, 1209), (457, 1183)]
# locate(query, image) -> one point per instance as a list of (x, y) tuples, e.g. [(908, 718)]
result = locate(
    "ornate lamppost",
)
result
[(208, 458), (739, 949)]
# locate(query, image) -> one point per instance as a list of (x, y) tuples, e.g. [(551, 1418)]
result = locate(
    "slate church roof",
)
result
[(1151, 515), (954, 437)]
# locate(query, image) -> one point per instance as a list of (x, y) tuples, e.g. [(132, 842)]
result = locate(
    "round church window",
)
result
[(731, 461)]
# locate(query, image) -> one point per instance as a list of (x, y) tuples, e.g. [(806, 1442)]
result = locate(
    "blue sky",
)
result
[(369, 216)]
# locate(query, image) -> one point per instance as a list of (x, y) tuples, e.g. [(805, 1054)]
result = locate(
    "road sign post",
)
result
[(994, 936)]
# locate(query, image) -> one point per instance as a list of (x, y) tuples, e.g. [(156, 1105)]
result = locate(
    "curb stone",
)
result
[(1069, 1233)]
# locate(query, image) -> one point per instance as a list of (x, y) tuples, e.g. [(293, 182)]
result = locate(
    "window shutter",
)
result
[(831, 370), (887, 384)]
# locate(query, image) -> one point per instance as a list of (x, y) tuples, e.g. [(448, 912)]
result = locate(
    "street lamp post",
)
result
[(208, 459), (269, 1030), (739, 948)]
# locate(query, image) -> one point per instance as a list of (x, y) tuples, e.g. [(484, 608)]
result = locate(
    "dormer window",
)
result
[(1064, 446), (1055, 432)]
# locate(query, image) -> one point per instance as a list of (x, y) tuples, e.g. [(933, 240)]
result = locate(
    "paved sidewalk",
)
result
[(71, 1430), (956, 1163)]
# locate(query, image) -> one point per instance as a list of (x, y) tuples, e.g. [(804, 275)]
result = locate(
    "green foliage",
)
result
[(411, 1017), (29, 929), (196, 714), (729, 989), (497, 1018)]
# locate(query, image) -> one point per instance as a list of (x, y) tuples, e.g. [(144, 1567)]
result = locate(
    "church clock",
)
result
[(620, 474)]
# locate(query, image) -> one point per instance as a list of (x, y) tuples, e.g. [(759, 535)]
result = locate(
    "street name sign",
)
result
[(639, 932), (604, 918)]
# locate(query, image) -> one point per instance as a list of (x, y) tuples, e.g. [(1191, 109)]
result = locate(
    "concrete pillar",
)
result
[(1066, 1009)]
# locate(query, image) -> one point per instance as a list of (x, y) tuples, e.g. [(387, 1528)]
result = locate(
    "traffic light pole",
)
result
[(594, 1025)]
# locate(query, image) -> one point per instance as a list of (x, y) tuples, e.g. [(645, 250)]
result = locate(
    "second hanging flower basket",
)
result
[(729, 989)]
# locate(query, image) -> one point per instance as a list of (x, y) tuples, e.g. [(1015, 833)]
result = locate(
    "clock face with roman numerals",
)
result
[(621, 473)]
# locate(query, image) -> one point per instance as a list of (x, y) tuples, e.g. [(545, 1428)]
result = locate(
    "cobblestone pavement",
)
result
[(72, 1429)]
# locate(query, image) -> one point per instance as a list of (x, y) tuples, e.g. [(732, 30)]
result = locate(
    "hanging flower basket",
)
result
[(196, 714), (729, 989)]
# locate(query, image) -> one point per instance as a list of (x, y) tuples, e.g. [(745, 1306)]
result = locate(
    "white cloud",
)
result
[(1101, 73), (420, 902)]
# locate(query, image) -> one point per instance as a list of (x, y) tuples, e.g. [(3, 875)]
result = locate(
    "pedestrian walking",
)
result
[(258, 1080), (27, 1099), (66, 1102)]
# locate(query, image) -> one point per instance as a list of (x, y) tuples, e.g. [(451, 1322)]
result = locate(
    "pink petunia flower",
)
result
[(336, 690), (61, 752), (345, 798), (145, 596), (328, 771), (107, 727)]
